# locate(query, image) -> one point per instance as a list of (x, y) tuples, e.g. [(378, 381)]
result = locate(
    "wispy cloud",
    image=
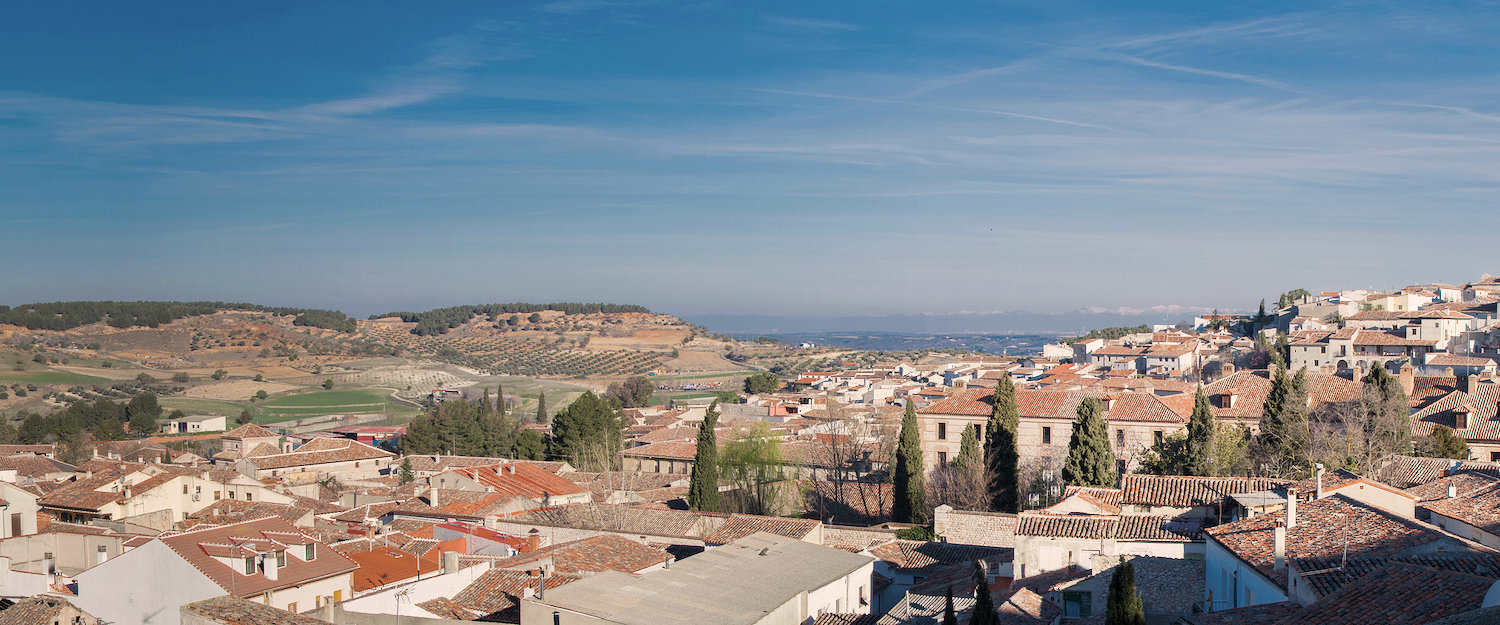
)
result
[(938, 107), (808, 24), (1245, 78)]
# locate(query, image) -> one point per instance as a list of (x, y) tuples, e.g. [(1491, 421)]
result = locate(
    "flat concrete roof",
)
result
[(736, 583)]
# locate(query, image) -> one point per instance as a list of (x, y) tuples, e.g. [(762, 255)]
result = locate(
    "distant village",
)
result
[(1333, 457)]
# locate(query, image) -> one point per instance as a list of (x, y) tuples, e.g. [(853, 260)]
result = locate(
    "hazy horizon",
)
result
[(782, 159)]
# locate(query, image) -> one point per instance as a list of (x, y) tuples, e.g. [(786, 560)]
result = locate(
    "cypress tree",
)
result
[(500, 399), (1091, 458), (1001, 452), (407, 474), (1284, 434), (949, 616), (909, 505), (541, 406), (1123, 606), (1388, 416), (970, 456), (703, 486), (1200, 440), (984, 605), (485, 407)]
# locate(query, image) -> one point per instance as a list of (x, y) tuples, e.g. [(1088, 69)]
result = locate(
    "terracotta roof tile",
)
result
[(1185, 491), (228, 610), (1323, 527), (382, 566), (321, 451), (1399, 593), (194, 547), (605, 552), (738, 526)]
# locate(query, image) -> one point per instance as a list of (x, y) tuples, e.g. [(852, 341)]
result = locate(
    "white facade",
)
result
[(1229, 582), (145, 585)]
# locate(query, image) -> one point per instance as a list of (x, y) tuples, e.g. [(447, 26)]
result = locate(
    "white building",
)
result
[(762, 579), (267, 561)]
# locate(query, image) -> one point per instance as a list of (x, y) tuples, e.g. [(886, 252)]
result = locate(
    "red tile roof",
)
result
[(521, 478), (1323, 527), (605, 552), (498, 589), (1187, 491), (738, 526), (1123, 527), (249, 430), (321, 451), (382, 566), (1400, 593), (195, 547)]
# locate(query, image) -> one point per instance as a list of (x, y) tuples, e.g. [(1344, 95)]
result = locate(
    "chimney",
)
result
[(268, 566), (101, 555), (533, 540), (666, 561), (1471, 383), (1291, 508), (1226, 370), (432, 496), (1452, 491), (450, 562), (1407, 377), (327, 616), (1318, 474), (1278, 549)]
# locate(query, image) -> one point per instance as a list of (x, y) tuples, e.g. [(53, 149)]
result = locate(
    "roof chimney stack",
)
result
[(1291, 508), (432, 496), (1278, 553), (450, 562), (1452, 491), (1318, 473)]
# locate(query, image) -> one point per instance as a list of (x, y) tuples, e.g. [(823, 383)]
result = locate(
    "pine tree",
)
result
[(909, 505), (1200, 439), (1446, 443), (703, 486), (1123, 605), (1001, 451), (541, 406), (1091, 459), (950, 617)]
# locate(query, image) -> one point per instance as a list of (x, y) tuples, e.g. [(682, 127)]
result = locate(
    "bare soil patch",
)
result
[(237, 390)]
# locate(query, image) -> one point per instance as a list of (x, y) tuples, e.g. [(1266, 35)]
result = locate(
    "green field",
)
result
[(322, 399), (51, 377), (662, 398), (193, 405)]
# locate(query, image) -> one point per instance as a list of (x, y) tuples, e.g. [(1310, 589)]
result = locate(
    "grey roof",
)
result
[(739, 582)]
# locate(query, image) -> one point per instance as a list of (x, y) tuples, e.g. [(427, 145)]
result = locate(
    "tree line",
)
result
[(440, 320), (68, 315), (589, 433)]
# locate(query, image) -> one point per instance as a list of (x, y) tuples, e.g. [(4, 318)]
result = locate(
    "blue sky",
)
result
[(797, 158)]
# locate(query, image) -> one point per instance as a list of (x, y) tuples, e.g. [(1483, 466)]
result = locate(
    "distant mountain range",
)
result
[(1070, 323)]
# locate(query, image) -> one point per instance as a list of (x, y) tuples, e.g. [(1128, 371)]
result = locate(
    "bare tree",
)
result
[(1041, 480), (852, 454), (959, 486)]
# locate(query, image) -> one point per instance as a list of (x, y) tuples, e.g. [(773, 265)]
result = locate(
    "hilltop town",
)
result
[(1332, 457)]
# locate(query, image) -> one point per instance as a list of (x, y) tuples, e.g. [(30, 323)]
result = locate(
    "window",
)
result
[(15, 524), (184, 489), (231, 494), (280, 558), (292, 607), (338, 595), (217, 494), (311, 552), (1119, 438), (1078, 604), (942, 457), (1158, 436), (247, 496), (864, 599), (1046, 436), (249, 566), (942, 431)]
